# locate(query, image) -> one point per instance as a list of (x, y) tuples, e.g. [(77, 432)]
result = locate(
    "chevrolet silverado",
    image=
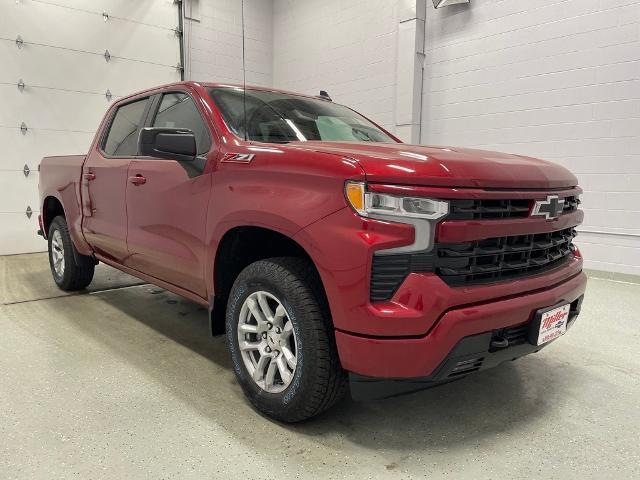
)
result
[(329, 253)]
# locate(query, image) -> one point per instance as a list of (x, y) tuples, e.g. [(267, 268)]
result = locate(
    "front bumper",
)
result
[(471, 354), (420, 357)]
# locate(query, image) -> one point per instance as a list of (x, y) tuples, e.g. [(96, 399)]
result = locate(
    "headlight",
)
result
[(372, 204)]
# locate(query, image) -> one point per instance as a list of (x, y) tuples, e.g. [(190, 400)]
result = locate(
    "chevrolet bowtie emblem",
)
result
[(550, 208)]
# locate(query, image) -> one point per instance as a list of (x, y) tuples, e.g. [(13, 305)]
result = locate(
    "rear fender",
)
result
[(71, 208)]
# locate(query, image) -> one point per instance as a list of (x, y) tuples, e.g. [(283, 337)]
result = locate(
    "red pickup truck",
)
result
[(329, 252)]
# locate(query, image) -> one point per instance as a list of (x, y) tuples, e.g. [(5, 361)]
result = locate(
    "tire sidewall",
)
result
[(276, 404), (58, 225)]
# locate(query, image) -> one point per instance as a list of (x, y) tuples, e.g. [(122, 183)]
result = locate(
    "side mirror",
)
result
[(171, 143)]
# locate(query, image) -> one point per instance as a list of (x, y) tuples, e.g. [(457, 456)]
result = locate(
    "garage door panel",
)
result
[(161, 13), (18, 191), (18, 234), (54, 68), (52, 109), (126, 77), (77, 30), (30, 148), (66, 77)]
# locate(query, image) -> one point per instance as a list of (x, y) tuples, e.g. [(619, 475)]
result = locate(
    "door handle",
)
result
[(138, 180), (89, 176)]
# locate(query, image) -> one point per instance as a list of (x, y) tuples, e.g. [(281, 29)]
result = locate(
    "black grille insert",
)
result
[(482, 261), (389, 271), (499, 258), (470, 209), (570, 204)]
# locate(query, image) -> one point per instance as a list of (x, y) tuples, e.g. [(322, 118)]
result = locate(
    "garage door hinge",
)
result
[(179, 67), (21, 85), (105, 15), (108, 95), (23, 128), (26, 170), (19, 41), (107, 55), (177, 31), (28, 212)]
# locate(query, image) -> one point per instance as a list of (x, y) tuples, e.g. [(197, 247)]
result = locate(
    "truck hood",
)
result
[(402, 163)]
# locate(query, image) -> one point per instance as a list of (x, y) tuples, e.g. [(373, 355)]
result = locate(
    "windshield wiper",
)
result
[(359, 133)]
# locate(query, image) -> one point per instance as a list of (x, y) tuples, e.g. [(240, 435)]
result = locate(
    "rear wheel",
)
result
[(281, 340), (70, 270)]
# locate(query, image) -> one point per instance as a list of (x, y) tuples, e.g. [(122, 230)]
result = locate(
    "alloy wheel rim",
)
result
[(267, 342), (57, 253)]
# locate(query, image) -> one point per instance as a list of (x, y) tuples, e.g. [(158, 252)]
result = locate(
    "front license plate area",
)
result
[(549, 324)]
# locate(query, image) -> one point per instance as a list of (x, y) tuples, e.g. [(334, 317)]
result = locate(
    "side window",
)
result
[(122, 139), (177, 110)]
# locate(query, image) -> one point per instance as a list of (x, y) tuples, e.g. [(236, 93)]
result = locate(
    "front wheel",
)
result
[(70, 270), (281, 340)]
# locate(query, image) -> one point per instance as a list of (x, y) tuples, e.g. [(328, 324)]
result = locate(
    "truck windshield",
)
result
[(275, 117)]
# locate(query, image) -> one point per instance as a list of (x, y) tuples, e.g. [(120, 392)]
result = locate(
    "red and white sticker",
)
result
[(553, 324)]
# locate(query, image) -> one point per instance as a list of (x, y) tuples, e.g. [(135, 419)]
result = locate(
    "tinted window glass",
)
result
[(122, 139), (177, 110), (280, 118)]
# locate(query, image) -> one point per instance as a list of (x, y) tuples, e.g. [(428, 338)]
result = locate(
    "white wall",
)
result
[(557, 79), (347, 48), (213, 45), (66, 77)]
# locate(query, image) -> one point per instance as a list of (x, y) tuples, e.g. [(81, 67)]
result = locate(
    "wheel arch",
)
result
[(239, 247), (51, 208)]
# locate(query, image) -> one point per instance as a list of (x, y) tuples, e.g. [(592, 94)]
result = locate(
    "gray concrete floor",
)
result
[(123, 382)]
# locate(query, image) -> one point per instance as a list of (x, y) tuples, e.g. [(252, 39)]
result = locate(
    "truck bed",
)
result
[(64, 167)]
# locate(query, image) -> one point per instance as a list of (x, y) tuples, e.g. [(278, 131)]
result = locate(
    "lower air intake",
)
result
[(465, 367)]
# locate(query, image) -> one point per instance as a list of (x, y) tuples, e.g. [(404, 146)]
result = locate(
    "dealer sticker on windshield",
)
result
[(553, 324)]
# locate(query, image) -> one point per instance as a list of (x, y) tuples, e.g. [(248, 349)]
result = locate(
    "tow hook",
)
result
[(499, 342)]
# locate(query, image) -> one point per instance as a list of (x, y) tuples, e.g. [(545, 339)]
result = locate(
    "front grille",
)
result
[(469, 263), (482, 261), (470, 209), (499, 258)]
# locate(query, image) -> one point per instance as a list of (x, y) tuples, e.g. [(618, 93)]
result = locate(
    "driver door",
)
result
[(167, 202)]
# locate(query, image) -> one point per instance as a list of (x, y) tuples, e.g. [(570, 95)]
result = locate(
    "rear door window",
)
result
[(122, 139)]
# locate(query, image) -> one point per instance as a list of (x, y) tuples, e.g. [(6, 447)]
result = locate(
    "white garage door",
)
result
[(57, 50)]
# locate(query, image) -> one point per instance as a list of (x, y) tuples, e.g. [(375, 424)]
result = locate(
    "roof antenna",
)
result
[(244, 80)]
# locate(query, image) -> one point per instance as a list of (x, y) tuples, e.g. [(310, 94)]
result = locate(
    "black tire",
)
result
[(78, 269), (318, 380)]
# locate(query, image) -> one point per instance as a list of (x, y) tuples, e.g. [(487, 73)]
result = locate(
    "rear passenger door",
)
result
[(104, 180), (167, 209)]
